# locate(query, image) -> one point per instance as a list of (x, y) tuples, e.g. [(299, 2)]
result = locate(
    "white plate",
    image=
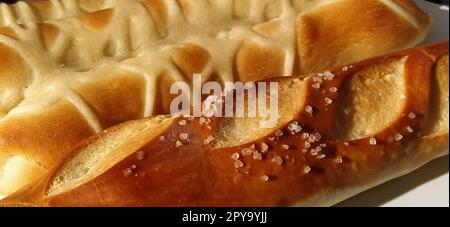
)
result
[(429, 185)]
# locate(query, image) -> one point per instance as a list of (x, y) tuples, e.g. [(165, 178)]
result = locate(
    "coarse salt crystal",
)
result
[(183, 136), (328, 101), (264, 148), (398, 137), (182, 123), (306, 170), (238, 164)]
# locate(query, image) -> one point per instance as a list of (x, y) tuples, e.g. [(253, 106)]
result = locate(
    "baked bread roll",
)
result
[(363, 125), (62, 81)]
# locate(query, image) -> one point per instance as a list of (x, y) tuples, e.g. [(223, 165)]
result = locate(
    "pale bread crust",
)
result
[(29, 12)]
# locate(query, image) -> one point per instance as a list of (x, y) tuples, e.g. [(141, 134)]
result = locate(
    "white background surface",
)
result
[(429, 185)]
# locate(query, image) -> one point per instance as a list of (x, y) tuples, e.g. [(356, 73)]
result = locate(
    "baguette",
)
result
[(64, 80), (388, 116)]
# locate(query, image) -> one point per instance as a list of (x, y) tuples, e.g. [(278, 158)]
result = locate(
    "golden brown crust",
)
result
[(97, 20), (253, 61), (317, 31), (162, 173), (14, 77), (413, 9), (49, 34), (158, 10), (115, 100), (36, 140), (40, 11), (163, 42), (8, 32), (28, 134), (191, 59)]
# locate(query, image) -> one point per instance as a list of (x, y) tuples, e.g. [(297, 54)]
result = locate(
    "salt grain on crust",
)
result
[(264, 148), (311, 138), (127, 172), (328, 75), (235, 156), (318, 136), (238, 164), (318, 79), (208, 140), (277, 160), (307, 144), (183, 136), (333, 89), (306, 170), (309, 109), (339, 159), (279, 133), (316, 86), (347, 111), (398, 137), (314, 152), (182, 122), (246, 151), (257, 156), (140, 155), (294, 128), (409, 129), (305, 135)]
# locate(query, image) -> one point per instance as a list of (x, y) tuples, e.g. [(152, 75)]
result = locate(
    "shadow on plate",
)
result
[(392, 189)]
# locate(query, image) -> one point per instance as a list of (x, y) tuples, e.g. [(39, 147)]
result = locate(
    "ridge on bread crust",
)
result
[(333, 155), (27, 13), (62, 81)]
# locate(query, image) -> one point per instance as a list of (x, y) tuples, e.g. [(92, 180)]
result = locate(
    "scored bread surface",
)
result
[(319, 153), (64, 80)]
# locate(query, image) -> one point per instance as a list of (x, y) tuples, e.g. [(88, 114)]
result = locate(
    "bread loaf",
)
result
[(62, 81), (387, 116)]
